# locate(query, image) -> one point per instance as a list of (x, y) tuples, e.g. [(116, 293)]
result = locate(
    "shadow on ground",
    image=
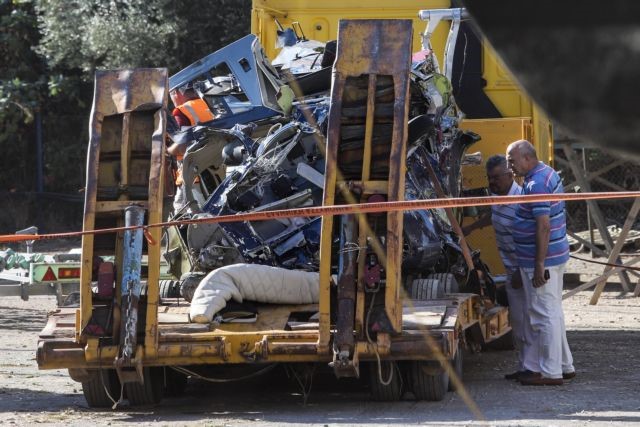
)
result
[(604, 369)]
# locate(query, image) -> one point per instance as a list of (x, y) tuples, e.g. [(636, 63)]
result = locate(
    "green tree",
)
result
[(91, 34), (204, 26), (22, 89), (53, 47)]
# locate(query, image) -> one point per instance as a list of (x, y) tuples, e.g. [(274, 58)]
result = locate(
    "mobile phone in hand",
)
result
[(547, 276)]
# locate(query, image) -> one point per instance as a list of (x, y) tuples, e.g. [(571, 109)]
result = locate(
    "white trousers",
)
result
[(518, 318), (548, 350)]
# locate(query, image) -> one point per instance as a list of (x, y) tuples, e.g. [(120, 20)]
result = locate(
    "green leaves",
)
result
[(93, 34), (50, 50)]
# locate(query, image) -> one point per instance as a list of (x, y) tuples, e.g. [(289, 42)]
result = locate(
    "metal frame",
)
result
[(123, 95)]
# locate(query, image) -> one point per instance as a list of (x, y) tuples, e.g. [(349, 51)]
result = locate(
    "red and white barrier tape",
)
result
[(359, 208)]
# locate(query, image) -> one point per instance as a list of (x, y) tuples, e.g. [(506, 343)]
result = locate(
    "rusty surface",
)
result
[(347, 269), (122, 101), (292, 348), (371, 74), (55, 354), (369, 98)]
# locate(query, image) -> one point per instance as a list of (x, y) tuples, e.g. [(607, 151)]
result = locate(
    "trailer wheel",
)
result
[(390, 392), (448, 283), (95, 390), (429, 381), (505, 342), (424, 289), (434, 286), (456, 364), (148, 393), (174, 382), (169, 289)]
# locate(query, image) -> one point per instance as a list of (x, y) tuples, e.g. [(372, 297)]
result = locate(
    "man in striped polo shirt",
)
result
[(501, 183), (542, 249)]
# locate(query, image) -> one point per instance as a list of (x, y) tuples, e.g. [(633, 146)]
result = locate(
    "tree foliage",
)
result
[(88, 34), (205, 26), (22, 85), (50, 50)]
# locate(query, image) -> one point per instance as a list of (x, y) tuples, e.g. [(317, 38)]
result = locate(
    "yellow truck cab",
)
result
[(495, 106)]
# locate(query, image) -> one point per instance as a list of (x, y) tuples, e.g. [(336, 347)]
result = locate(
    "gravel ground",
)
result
[(604, 340)]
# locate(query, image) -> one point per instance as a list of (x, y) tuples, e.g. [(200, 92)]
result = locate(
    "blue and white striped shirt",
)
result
[(541, 180), (502, 217)]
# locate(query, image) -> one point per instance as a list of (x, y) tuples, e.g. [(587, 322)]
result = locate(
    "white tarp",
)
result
[(260, 283)]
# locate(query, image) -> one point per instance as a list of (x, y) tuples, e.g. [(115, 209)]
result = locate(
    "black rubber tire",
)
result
[(448, 283), (456, 364), (433, 287), (174, 382), (71, 300), (424, 289), (428, 380), (169, 289), (505, 342), (386, 393), (149, 393), (94, 390)]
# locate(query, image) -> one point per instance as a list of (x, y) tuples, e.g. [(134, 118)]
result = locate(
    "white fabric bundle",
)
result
[(260, 283)]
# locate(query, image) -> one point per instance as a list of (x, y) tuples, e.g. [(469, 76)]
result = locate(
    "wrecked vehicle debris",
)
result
[(301, 290), (279, 163), (238, 83)]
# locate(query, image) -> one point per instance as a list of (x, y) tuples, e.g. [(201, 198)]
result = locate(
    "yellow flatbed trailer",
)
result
[(274, 337), (136, 344)]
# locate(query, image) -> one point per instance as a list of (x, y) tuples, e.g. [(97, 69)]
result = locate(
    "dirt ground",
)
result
[(604, 339)]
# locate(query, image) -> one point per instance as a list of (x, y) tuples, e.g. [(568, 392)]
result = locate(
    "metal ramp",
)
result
[(125, 171), (366, 151)]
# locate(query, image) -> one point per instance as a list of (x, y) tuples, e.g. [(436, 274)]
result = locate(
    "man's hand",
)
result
[(538, 276)]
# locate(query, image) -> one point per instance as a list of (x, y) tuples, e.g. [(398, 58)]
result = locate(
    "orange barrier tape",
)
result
[(359, 208)]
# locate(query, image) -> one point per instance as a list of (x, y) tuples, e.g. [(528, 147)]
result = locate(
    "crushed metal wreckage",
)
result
[(265, 150)]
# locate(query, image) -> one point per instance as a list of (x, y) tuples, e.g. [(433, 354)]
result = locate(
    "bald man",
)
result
[(542, 249)]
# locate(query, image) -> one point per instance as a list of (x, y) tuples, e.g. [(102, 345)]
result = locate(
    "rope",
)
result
[(624, 267), (358, 208), (375, 347)]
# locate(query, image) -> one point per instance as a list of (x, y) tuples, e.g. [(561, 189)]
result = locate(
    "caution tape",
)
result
[(358, 208)]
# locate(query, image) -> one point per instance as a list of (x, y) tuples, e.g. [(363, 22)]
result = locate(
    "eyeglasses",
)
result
[(494, 177)]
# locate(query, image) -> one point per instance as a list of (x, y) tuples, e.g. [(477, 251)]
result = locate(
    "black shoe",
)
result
[(568, 375), (538, 379), (517, 375)]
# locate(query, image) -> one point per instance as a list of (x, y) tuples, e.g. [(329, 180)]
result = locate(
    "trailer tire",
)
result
[(424, 289), (169, 289), (380, 392), (434, 286), (95, 390), (456, 364), (505, 342), (174, 382), (148, 393), (429, 381), (448, 283)]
